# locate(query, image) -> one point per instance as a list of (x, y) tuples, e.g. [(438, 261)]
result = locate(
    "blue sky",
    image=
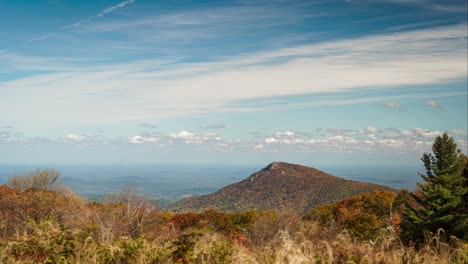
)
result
[(230, 82)]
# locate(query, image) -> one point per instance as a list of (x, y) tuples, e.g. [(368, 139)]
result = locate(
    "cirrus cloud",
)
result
[(151, 89)]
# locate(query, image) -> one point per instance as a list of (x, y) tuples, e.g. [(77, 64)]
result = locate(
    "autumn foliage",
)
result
[(42, 221), (363, 215)]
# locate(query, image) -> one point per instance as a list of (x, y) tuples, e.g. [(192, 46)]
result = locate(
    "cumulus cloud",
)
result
[(426, 132), (340, 138), (394, 105), (282, 139), (372, 129), (415, 140), (463, 144), (406, 133), (258, 146), (339, 131), (391, 142), (193, 138), (183, 135), (142, 139), (433, 104), (458, 132), (9, 135), (285, 134), (357, 140), (431, 134), (75, 138)]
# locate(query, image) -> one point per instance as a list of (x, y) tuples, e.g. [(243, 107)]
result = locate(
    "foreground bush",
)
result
[(37, 197), (50, 244)]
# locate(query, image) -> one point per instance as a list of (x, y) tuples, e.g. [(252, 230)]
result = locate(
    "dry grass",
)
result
[(315, 245), (48, 243)]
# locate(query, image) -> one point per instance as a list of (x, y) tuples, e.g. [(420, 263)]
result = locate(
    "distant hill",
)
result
[(279, 186)]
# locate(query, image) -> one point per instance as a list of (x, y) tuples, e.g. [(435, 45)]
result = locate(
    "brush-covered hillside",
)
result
[(279, 186)]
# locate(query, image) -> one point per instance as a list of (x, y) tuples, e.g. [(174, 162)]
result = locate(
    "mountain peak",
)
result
[(274, 165), (279, 186)]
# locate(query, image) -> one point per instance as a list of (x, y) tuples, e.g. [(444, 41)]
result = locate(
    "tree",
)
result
[(439, 201), (36, 180), (122, 214)]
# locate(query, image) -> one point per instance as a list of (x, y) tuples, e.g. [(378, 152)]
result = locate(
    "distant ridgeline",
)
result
[(279, 186)]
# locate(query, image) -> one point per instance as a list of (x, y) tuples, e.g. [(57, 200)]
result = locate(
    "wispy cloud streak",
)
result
[(112, 8), (153, 88), (79, 23)]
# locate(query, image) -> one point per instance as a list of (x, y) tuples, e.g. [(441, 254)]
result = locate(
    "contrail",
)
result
[(112, 8), (78, 23)]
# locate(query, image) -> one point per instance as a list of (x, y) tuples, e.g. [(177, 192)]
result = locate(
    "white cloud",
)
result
[(341, 139), (287, 141), (206, 22), (433, 104), (285, 134), (417, 140), (419, 130), (391, 142), (392, 105), (458, 132), (192, 138), (76, 138), (140, 92), (183, 135), (142, 139), (373, 129), (8, 135), (112, 8), (79, 23), (426, 133), (135, 140), (431, 134), (340, 131), (446, 7), (463, 144), (406, 133), (41, 37), (258, 146)]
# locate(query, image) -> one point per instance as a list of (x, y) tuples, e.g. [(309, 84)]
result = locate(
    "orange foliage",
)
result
[(364, 215), (185, 220)]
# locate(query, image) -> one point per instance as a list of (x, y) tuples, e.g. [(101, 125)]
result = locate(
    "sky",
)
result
[(230, 82)]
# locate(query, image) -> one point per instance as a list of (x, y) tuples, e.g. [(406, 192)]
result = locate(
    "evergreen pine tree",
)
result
[(441, 200)]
